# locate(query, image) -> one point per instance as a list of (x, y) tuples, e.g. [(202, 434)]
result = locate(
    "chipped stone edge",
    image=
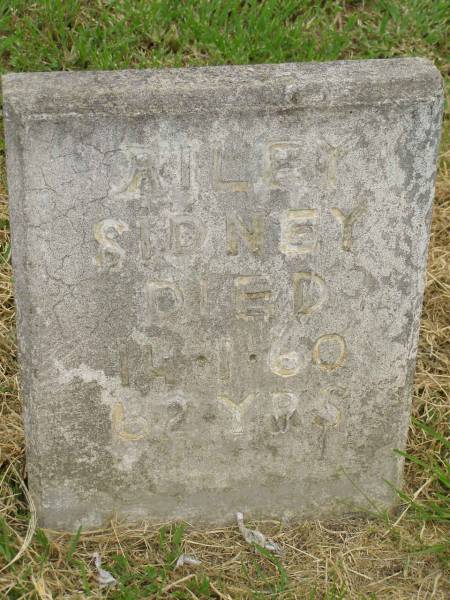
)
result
[(14, 132), (223, 89)]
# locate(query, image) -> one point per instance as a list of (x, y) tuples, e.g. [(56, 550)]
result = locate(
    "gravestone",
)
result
[(219, 276)]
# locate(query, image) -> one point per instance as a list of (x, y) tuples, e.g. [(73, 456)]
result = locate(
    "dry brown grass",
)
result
[(353, 558)]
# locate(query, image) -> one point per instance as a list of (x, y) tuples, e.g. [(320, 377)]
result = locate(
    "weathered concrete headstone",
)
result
[(219, 277)]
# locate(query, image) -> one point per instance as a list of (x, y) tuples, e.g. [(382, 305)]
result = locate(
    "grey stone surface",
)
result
[(219, 277)]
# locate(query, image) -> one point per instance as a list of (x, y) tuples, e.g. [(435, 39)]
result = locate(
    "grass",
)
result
[(400, 556), (94, 34)]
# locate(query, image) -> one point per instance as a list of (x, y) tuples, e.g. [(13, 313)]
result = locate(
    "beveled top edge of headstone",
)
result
[(273, 87)]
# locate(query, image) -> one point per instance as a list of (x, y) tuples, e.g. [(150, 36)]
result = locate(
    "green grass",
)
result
[(114, 34), (437, 506)]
